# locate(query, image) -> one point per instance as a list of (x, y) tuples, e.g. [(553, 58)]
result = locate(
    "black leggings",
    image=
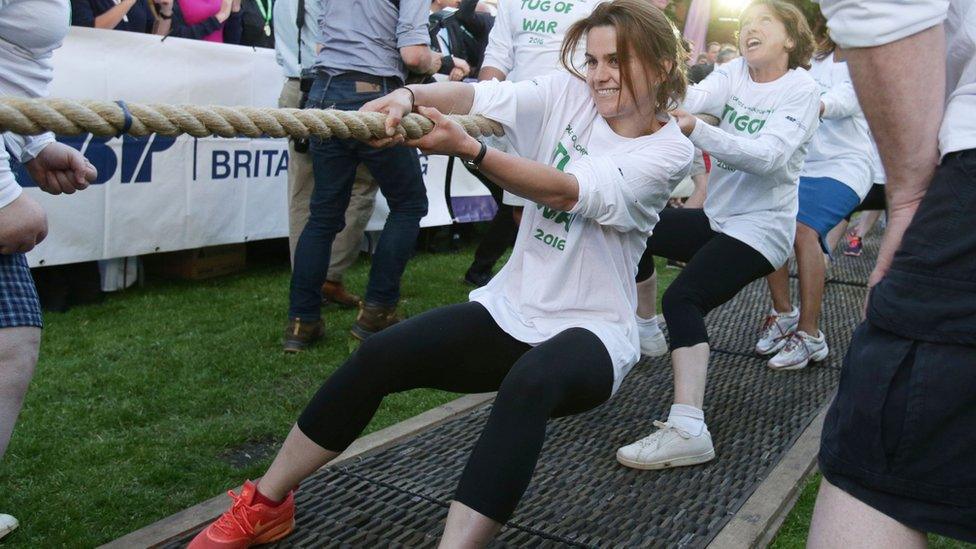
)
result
[(874, 200), (718, 267), (460, 348)]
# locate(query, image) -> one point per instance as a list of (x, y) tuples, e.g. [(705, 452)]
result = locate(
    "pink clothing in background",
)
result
[(197, 11), (696, 26)]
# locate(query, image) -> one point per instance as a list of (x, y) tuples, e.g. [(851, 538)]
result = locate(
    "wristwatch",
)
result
[(475, 162)]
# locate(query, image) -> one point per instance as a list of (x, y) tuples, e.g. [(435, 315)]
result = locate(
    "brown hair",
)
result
[(797, 30), (643, 33), (825, 44)]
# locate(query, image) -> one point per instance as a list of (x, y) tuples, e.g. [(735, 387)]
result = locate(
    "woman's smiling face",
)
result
[(613, 99)]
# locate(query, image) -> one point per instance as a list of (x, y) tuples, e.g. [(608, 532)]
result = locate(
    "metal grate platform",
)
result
[(580, 496)]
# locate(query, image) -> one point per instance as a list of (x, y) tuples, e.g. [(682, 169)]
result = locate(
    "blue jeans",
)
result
[(334, 163)]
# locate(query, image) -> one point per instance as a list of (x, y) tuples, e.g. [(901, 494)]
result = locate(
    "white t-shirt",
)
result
[(577, 268), (528, 34), (842, 147), (29, 31), (757, 151), (867, 23)]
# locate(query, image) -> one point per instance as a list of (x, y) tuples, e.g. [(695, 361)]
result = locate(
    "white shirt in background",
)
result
[(757, 151), (867, 23), (577, 268), (528, 34), (842, 147), (30, 30)]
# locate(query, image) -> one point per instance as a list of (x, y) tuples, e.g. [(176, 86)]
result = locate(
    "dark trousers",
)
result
[(446, 349), (500, 235), (334, 163), (719, 266)]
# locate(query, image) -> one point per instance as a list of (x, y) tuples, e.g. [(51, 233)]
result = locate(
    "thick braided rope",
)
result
[(106, 118)]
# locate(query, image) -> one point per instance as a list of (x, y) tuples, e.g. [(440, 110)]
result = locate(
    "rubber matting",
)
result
[(579, 495)]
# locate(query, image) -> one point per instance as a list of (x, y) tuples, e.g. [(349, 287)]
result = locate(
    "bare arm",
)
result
[(536, 181), (489, 73), (421, 59), (901, 88), (114, 15)]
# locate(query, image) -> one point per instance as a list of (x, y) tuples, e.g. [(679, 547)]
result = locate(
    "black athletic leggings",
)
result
[(719, 266), (460, 348), (874, 200)]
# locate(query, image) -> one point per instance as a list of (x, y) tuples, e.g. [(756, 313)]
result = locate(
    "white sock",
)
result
[(687, 418), (791, 314), (648, 325)]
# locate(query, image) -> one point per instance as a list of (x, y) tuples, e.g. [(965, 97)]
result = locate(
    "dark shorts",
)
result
[(874, 200), (901, 434), (19, 305)]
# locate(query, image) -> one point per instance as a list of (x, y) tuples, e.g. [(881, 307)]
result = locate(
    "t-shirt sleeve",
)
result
[(787, 128), (412, 23), (26, 147), (840, 101), (868, 23), (500, 52), (709, 95), (627, 190), (82, 14), (9, 189), (520, 107)]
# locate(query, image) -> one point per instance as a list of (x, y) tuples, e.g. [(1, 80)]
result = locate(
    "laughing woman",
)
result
[(768, 108), (554, 332)]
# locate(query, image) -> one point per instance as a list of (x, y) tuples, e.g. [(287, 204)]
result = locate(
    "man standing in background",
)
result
[(367, 48), (296, 52)]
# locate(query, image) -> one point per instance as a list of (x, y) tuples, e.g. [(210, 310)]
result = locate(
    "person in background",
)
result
[(726, 55), (746, 228), (898, 446), (702, 59), (712, 51), (518, 51), (367, 49), (210, 20), (835, 178), (123, 15), (460, 32), (294, 52), (30, 30), (257, 23)]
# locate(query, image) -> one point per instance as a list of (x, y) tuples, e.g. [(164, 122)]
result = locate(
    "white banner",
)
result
[(160, 194)]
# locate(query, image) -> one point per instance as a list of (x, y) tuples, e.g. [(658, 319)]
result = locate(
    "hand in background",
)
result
[(60, 169)]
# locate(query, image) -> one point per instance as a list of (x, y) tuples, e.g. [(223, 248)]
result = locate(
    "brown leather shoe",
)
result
[(300, 334), (373, 318), (335, 292)]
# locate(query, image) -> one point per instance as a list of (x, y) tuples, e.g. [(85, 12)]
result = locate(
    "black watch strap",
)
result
[(476, 161)]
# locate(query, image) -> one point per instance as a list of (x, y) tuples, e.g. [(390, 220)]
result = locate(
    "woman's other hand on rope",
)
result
[(395, 105), (60, 169), (447, 138)]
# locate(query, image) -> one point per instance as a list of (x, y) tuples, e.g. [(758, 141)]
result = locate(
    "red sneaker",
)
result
[(247, 523)]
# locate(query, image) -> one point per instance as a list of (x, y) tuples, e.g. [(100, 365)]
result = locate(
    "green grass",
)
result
[(163, 396), (793, 533)]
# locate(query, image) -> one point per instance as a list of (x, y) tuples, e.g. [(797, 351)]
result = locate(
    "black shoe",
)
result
[(477, 279)]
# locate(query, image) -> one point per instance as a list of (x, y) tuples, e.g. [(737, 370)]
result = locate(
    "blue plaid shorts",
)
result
[(19, 305)]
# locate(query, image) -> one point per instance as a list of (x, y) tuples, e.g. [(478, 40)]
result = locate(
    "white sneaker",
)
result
[(799, 351), (652, 340), (667, 447), (7, 524), (776, 330)]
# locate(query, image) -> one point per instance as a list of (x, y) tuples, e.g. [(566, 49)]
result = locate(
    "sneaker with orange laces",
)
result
[(854, 245), (248, 522)]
